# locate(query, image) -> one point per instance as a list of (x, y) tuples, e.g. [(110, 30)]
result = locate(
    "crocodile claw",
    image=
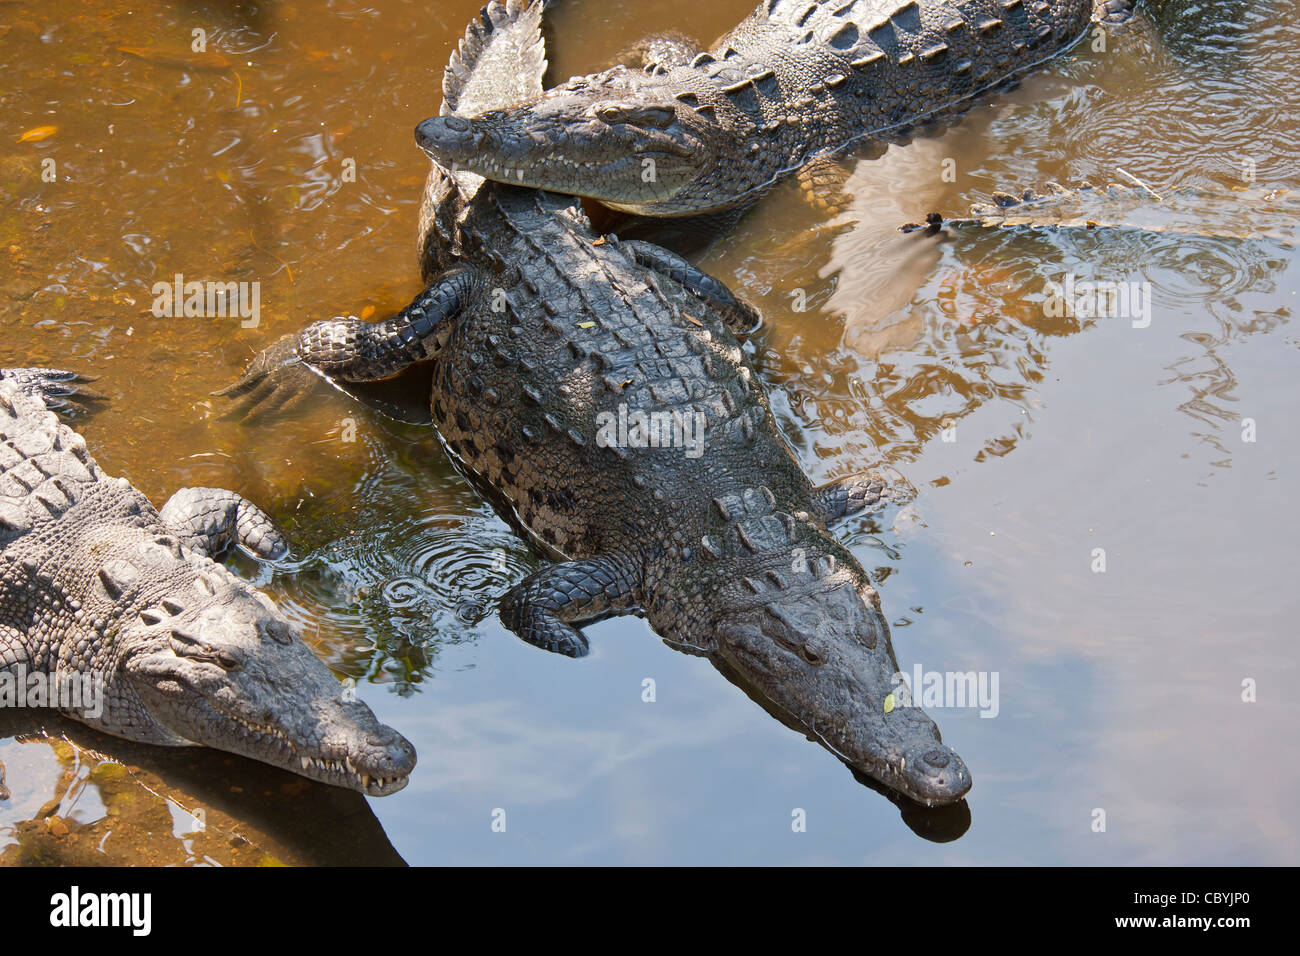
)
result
[(276, 381), (60, 390)]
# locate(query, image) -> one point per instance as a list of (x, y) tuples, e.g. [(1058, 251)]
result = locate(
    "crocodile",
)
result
[(557, 354), (785, 91), (123, 608), (1242, 213)]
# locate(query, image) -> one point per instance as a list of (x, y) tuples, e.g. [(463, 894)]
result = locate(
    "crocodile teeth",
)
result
[(306, 763)]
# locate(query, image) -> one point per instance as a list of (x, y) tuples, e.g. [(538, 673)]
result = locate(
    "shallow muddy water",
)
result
[(1162, 443)]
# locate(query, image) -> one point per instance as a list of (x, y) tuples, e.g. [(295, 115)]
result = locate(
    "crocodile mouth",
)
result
[(655, 169), (946, 779), (900, 749), (339, 772)]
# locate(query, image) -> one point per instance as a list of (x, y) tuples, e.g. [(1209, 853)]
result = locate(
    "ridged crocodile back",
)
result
[(826, 71), (45, 469), (570, 328)]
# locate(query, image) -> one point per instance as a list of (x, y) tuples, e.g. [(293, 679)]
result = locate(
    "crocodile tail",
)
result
[(500, 62)]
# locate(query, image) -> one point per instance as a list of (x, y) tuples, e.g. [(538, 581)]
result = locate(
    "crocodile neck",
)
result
[(467, 219)]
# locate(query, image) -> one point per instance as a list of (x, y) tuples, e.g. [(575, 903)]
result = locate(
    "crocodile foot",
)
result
[(858, 494), (275, 382), (59, 389), (543, 607), (209, 520)]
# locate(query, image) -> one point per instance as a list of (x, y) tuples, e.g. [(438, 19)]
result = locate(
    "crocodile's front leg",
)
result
[(542, 607), (13, 648), (210, 520), (823, 180), (59, 389), (350, 350), (855, 494), (741, 317)]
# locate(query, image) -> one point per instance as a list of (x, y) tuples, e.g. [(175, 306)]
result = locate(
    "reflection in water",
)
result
[(935, 327), (105, 801), (1207, 36)]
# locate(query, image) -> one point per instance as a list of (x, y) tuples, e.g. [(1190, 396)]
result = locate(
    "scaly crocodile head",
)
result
[(208, 660), (813, 647), (619, 136)]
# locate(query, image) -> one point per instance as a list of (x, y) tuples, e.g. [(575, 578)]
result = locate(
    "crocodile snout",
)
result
[(447, 137), (934, 775)]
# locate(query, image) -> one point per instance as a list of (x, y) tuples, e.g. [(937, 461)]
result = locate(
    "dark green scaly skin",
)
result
[(1248, 213), (726, 554), (796, 80), (95, 584)]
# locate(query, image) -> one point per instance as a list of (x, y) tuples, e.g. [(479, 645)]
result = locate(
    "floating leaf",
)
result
[(38, 133), (586, 325), (889, 702)]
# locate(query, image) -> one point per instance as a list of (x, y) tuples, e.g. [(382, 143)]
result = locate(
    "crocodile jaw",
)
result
[(819, 657), (630, 153), (235, 677)]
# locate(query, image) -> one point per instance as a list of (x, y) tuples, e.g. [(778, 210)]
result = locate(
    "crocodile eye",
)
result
[(657, 116), (813, 654), (185, 644), (609, 113)]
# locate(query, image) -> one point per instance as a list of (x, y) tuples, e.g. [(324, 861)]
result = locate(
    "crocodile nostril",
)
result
[(278, 631), (936, 758)]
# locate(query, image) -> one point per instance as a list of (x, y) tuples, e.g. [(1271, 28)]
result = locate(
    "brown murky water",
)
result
[(1040, 446)]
